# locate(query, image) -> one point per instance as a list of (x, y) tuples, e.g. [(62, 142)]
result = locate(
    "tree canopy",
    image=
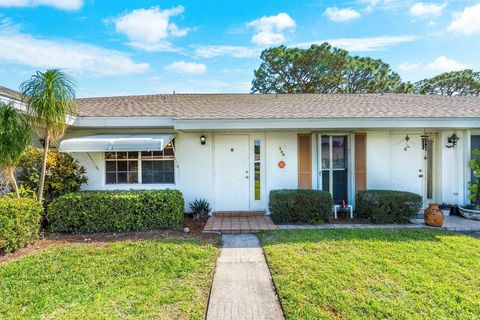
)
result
[(454, 83), (323, 69)]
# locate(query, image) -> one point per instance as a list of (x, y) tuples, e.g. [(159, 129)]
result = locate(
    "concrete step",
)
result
[(239, 213)]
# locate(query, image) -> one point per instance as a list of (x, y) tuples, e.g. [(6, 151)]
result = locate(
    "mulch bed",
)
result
[(50, 240)]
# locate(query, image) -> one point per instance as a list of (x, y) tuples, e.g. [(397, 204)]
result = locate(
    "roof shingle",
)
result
[(284, 106)]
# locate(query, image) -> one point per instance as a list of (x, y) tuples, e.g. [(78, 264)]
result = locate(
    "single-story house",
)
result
[(232, 149)]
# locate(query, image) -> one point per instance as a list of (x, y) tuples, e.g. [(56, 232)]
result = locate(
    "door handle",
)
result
[(246, 177), (420, 175)]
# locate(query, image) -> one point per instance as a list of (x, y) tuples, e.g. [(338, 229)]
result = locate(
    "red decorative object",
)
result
[(281, 164)]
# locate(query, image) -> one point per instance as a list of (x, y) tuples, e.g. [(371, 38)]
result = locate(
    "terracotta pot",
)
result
[(433, 216)]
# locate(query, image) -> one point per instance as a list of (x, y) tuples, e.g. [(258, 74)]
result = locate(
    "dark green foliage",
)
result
[(300, 206), (323, 69), (19, 222), (387, 206), (116, 211), (200, 209), (64, 173), (454, 83)]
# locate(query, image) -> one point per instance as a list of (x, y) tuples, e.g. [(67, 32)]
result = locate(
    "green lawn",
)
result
[(375, 274), (152, 279)]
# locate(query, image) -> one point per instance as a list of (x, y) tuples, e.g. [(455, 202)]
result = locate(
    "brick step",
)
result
[(239, 213)]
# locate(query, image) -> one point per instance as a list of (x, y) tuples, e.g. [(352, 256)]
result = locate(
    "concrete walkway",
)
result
[(242, 286)]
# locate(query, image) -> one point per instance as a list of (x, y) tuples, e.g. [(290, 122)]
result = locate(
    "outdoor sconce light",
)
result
[(424, 137), (407, 138), (203, 140), (452, 140)]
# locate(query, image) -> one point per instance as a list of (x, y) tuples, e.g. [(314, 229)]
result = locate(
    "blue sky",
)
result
[(143, 47)]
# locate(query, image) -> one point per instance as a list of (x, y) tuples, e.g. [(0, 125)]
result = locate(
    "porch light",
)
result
[(203, 140), (452, 140), (407, 139), (424, 137)]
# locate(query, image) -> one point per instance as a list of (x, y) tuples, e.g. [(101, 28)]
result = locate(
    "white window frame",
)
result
[(139, 168)]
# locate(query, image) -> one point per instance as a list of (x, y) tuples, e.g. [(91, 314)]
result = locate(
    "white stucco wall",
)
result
[(453, 164), (194, 174), (378, 160), (286, 178)]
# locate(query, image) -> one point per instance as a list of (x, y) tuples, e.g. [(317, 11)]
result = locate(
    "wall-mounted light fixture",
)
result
[(203, 140), (452, 140), (424, 137), (407, 139)]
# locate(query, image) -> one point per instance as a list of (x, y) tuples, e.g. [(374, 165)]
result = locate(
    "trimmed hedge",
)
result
[(300, 206), (19, 222), (387, 206), (116, 211)]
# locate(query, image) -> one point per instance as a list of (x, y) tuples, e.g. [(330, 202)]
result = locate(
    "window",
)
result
[(121, 167), (145, 167), (158, 166), (256, 165)]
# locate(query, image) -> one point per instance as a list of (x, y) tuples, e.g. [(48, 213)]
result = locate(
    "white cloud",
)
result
[(231, 51), (148, 29), (59, 4), (444, 64), (421, 9), (466, 22), (407, 66), (341, 15), (363, 44), (270, 29), (186, 67), (27, 50)]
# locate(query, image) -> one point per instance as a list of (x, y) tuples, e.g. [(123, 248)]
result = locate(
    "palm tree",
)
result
[(15, 136), (50, 99)]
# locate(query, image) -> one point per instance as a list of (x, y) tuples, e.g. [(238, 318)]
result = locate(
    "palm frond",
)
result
[(15, 135), (50, 99)]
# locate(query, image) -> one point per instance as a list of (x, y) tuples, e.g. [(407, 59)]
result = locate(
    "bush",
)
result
[(19, 223), (200, 209), (64, 173), (387, 206), (116, 211), (300, 206)]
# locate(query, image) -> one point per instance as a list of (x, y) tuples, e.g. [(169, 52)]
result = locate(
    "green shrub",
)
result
[(387, 206), (300, 206), (64, 173), (200, 209), (19, 222), (116, 211)]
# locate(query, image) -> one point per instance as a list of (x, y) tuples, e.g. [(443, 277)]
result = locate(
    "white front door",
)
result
[(407, 168), (232, 178)]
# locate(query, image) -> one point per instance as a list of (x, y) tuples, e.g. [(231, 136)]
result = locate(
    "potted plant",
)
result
[(445, 208), (472, 211)]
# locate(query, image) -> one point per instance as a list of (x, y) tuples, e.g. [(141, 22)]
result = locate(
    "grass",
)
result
[(375, 274), (149, 279)]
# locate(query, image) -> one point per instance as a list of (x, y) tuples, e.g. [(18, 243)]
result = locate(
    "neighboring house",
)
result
[(9, 96), (232, 149)]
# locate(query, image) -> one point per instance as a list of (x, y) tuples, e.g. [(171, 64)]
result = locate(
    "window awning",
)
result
[(117, 142)]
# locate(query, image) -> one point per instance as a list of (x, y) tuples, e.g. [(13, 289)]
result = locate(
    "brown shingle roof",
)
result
[(9, 93), (285, 106)]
